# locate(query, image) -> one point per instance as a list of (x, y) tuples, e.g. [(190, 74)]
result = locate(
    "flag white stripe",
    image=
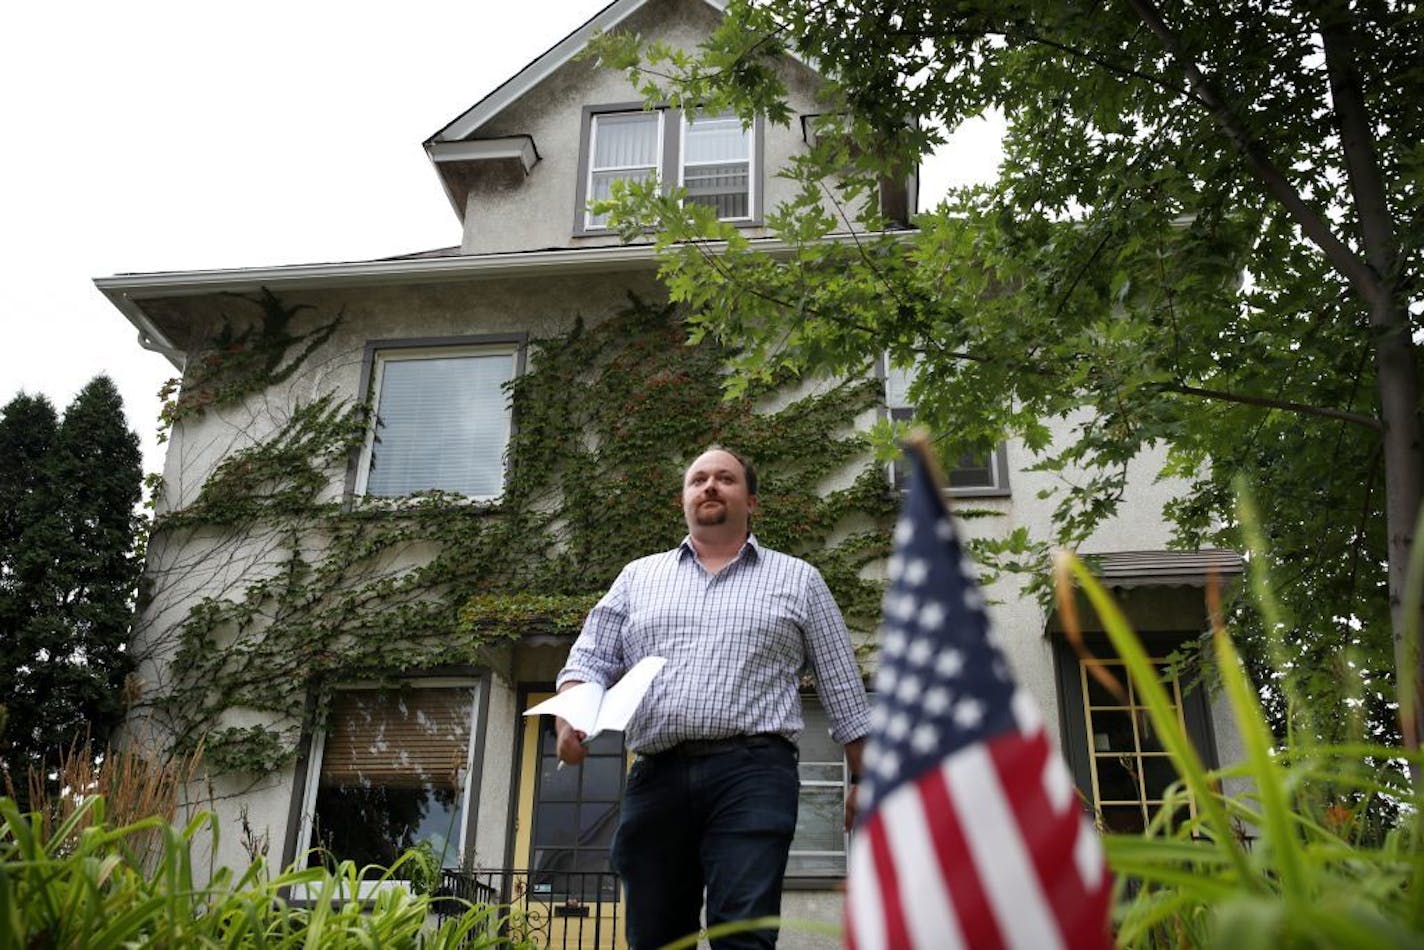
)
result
[(1006, 871), (866, 918), (928, 909)]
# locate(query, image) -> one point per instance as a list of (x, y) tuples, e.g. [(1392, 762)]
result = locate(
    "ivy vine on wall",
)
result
[(322, 592)]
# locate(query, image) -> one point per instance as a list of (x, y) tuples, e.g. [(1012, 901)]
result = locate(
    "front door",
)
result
[(566, 819)]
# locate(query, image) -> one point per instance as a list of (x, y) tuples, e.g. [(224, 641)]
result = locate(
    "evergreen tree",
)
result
[(68, 569)]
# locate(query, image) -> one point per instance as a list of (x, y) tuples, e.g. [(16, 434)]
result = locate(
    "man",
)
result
[(711, 801)]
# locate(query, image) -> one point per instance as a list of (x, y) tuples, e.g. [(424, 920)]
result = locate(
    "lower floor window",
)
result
[(1118, 760), (819, 848), (390, 773)]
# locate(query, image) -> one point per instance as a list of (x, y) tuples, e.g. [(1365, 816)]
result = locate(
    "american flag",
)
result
[(970, 831)]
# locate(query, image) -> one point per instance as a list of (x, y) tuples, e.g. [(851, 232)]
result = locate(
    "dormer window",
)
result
[(713, 157)]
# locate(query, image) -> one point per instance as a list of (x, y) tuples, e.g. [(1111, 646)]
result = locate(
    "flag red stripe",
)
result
[(897, 935), (1049, 838), (956, 863)]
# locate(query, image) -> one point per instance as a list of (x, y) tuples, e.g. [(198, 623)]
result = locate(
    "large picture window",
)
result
[(442, 421), (713, 157), (390, 772), (819, 848)]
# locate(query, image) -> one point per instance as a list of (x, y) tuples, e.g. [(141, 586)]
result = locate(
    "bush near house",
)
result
[(88, 882)]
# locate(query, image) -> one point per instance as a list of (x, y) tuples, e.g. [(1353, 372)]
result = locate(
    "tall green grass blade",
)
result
[(1273, 618), (1279, 833)]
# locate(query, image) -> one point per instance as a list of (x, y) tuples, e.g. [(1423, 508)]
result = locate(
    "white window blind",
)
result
[(717, 165), (626, 146), (442, 423)]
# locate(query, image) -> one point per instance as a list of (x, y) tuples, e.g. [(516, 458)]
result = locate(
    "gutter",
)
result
[(127, 292)]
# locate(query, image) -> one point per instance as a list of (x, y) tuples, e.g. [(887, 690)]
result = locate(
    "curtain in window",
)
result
[(441, 423), (407, 737)]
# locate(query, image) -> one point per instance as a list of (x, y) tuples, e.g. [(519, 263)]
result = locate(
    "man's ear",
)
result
[(751, 504)]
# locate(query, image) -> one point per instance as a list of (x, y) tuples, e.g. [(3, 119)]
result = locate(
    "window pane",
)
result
[(818, 848), (441, 423), (820, 822), (720, 187), (603, 778), (897, 387), (625, 140), (717, 140), (1118, 779), (973, 471), (392, 772)]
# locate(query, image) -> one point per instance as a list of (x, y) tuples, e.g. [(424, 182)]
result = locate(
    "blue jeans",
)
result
[(722, 822)]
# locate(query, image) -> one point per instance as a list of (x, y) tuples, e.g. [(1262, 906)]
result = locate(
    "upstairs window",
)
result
[(974, 474), (713, 157), (624, 146), (717, 165), (442, 421)]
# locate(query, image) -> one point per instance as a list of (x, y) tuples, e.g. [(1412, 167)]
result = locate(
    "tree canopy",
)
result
[(69, 568), (1205, 234)]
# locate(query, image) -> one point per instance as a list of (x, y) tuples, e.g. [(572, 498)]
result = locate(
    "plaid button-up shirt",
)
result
[(736, 644)]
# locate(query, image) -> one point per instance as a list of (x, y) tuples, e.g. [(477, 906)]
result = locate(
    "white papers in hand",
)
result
[(591, 709)]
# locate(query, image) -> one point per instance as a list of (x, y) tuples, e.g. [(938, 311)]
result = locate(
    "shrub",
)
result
[(83, 883)]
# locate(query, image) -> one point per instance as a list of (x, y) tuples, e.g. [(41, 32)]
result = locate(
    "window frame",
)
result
[(998, 460), (378, 351), (1193, 710), (307, 773), (753, 192), (670, 170), (802, 880)]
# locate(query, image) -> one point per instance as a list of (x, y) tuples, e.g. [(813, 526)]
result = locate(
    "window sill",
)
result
[(376, 506), (742, 223)]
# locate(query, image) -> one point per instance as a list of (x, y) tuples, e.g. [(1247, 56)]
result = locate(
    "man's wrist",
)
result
[(855, 778)]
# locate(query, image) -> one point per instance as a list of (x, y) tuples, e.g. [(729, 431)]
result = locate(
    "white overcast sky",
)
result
[(159, 135)]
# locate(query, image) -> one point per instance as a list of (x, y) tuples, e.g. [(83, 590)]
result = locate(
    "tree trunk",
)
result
[(1397, 371)]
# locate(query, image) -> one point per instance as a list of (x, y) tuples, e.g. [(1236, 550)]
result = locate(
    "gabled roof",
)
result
[(536, 72)]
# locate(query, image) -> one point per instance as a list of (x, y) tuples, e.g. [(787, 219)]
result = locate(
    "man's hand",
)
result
[(853, 752), (570, 747)]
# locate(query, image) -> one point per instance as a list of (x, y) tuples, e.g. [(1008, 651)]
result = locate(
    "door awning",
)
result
[(1165, 568)]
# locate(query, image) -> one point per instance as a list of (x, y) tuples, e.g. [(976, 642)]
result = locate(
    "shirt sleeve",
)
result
[(832, 659), (597, 654)]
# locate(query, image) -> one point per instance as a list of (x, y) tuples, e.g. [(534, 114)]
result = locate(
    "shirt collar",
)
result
[(751, 548)]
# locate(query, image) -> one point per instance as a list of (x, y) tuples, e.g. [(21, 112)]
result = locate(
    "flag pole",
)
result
[(918, 441)]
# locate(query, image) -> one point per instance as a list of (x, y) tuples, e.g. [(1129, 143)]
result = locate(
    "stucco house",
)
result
[(368, 563)]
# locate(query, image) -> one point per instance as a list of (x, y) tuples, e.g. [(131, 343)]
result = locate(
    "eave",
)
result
[(130, 292)]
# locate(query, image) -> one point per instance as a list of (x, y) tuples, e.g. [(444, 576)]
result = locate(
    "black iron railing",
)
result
[(554, 909)]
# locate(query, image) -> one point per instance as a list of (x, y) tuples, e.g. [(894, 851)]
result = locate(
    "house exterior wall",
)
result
[(505, 214)]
